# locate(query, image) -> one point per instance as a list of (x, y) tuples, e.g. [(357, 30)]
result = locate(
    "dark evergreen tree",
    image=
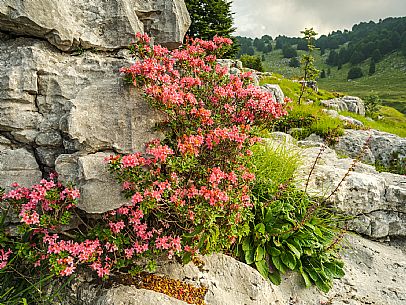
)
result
[(250, 51), (279, 42), (268, 48), (395, 40), (210, 18), (356, 57), (332, 58), (403, 43), (323, 74), (259, 44), (343, 56), (302, 45), (266, 38), (385, 46), (354, 72), (288, 51), (376, 55), (371, 67), (328, 71), (294, 62)]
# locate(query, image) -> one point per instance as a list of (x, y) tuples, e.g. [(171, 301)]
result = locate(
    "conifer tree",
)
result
[(210, 18), (372, 67)]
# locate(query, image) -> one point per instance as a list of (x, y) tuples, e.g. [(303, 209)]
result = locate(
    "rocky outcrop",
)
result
[(276, 91), (66, 109), (347, 103), (125, 295), (383, 148), (377, 199), (375, 274), (105, 25), (100, 192), (345, 119)]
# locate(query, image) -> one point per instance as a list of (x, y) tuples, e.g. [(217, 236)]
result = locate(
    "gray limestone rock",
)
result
[(276, 91), (132, 296), (347, 103), (64, 104), (375, 274), (105, 25), (99, 191), (18, 165), (383, 148), (379, 199)]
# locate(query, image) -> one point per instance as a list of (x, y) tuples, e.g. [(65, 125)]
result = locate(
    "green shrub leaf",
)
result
[(274, 251), (246, 244), (275, 277), (262, 267), (249, 256), (259, 254), (260, 228), (306, 279), (277, 262), (289, 260), (293, 249)]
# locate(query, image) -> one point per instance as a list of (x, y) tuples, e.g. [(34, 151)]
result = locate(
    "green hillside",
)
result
[(382, 44), (388, 82), (391, 120)]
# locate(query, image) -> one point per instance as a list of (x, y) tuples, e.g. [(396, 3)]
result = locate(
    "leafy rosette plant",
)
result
[(196, 183)]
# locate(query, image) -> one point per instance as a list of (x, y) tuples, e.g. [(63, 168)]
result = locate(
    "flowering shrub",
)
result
[(187, 194), (195, 184), (43, 210)]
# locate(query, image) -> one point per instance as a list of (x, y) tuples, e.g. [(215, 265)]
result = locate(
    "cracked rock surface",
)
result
[(66, 110), (378, 199), (104, 25)]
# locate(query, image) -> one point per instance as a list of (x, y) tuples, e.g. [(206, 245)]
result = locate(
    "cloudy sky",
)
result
[(254, 18)]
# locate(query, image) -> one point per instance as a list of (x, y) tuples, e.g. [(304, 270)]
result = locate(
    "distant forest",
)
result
[(365, 40)]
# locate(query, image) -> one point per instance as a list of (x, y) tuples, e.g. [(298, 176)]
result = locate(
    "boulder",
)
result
[(99, 192), (276, 91), (377, 199), (125, 295), (345, 119), (230, 63), (62, 104), (105, 25), (382, 147), (17, 165), (347, 103)]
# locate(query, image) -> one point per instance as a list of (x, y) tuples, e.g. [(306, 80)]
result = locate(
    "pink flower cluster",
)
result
[(35, 201), (4, 256)]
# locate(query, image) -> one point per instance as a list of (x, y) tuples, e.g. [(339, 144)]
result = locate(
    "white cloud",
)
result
[(255, 18)]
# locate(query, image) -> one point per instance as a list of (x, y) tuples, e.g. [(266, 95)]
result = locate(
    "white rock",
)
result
[(364, 192), (105, 25), (346, 103), (99, 192), (382, 147), (276, 91)]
